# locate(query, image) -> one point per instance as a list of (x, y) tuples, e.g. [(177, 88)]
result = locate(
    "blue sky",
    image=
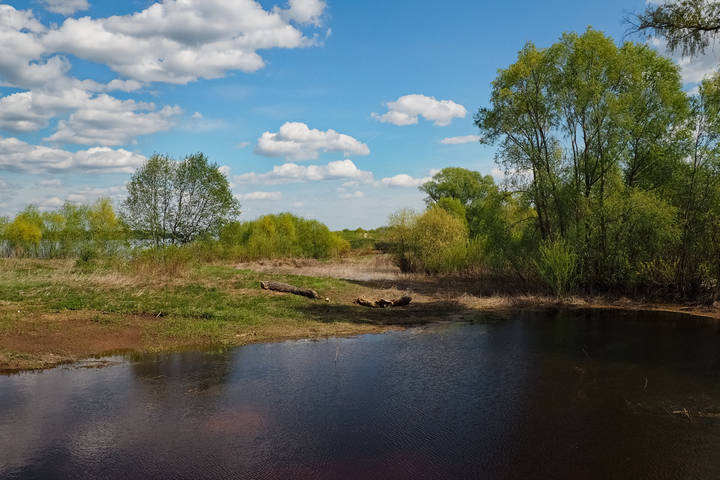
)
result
[(330, 109)]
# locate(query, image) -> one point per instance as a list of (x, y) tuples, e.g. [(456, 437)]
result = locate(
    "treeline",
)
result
[(174, 211), (95, 231), (612, 178), (70, 231)]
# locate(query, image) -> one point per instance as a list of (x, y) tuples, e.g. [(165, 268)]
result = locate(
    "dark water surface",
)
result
[(543, 395)]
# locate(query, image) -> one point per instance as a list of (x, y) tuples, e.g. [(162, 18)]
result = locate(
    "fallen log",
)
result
[(287, 288), (383, 303), (402, 301)]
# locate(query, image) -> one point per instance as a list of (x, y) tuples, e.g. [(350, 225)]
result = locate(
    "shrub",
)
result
[(434, 242), (439, 241), (557, 265), (281, 236)]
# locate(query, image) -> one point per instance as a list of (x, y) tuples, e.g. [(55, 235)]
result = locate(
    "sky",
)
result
[(335, 110)]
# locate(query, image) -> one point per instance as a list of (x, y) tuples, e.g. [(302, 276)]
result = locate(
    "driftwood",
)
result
[(382, 303), (287, 288)]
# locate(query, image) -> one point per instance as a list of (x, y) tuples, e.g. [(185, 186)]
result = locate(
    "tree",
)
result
[(464, 185), (578, 124), (687, 25), (25, 231), (177, 202)]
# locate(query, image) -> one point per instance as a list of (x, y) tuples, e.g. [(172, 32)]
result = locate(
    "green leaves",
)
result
[(177, 202)]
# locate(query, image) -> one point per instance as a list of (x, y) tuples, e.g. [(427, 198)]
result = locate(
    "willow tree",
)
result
[(580, 124), (176, 202), (688, 26)]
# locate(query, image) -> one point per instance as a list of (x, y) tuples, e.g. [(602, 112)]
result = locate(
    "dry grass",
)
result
[(53, 312)]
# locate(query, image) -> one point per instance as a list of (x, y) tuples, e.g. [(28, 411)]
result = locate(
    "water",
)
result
[(542, 395)]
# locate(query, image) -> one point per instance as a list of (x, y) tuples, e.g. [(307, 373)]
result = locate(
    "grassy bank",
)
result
[(54, 311)]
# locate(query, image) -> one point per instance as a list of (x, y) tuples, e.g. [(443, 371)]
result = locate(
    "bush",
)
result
[(434, 242), (557, 265), (281, 236), (440, 240)]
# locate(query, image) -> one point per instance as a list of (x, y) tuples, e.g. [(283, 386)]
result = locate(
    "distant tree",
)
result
[(464, 185), (176, 202), (687, 25), (25, 231)]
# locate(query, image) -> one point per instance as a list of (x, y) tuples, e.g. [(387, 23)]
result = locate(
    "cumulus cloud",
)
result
[(406, 110), (106, 120), (294, 173), (174, 41), (32, 110), (402, 180), (19, 156), (296, 141), (180, 41), (259, 196), (304, 11), (459, 140), (50, 182), (355, 194), (65, 7)]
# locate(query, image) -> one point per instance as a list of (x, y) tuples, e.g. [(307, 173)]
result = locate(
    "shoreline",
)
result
[(51, 314), (21, 362)]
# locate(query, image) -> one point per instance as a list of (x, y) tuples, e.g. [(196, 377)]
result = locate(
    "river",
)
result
[(583, 394)]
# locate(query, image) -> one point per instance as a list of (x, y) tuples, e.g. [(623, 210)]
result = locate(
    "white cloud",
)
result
[(51, 182), (60, 195), (197, 115), (402, 180), (459, 140), (304, 11), (178, 41), (693, 69), (259, 196), (294, 173), (16, 155), (175, 41), (296, 141), (406, 110), (105, 120), (356, 194), (51, 202), (66, 7)]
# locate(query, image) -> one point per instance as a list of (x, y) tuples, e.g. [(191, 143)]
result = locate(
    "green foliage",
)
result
[(362, 239), (70, 231), (453, 206), (466, 186), (687, 25), (281, 236), (25, 232), (439, 241), (557, 264), (400, 237), (178, 202), (610, 158), (434, 242)]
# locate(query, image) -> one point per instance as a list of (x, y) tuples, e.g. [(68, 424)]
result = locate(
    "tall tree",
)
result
[(579, 124), (688, 26), (176, 202)]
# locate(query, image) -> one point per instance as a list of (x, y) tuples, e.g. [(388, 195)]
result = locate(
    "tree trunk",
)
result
[(287, 288)]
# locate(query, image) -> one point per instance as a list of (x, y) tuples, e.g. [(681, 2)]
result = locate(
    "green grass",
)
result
[(211, 293), (74, 312)]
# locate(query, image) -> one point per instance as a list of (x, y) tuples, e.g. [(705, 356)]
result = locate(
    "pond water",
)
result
[(541, 395)]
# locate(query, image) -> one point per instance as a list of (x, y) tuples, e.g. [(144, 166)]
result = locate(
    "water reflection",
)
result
[(560, 395)]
